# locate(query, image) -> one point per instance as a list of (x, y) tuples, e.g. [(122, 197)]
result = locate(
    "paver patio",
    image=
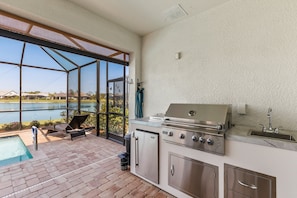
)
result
[(85, 167)]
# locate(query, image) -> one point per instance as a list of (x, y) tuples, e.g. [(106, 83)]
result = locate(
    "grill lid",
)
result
[(203, 115)]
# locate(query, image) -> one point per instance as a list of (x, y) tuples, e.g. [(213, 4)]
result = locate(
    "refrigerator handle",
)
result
[(136, 152), (172, 170)]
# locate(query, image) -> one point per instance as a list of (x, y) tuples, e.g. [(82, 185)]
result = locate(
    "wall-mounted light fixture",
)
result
[(178, 55)]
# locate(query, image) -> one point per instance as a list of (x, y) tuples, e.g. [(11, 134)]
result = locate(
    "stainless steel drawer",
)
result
[(244, 183), (195, 178)]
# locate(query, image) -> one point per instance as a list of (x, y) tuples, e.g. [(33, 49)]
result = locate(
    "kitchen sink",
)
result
[(274, 135)]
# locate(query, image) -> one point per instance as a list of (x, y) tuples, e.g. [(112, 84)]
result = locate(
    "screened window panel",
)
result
[(44, 81), (115, 71), (73, 90), (41, 58), (102, 124), (41, 85), (10, 50), (62, 61), (102, 79), (116, 125), (77, 59), (88, 88), (91, 120), (42, 116), (73, 83), (116, 104), (10, 75), (116, 88), (10, 117), (127, 91)]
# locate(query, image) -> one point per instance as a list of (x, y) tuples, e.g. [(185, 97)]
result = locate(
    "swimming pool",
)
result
[(13, 150)]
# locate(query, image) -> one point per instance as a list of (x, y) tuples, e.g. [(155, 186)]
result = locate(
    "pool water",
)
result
[(13, 150)]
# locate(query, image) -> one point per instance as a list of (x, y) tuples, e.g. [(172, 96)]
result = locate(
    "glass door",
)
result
[(116, 109), (113, 101)]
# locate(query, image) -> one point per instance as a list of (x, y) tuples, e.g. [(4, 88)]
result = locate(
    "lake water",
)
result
[(42, 111)]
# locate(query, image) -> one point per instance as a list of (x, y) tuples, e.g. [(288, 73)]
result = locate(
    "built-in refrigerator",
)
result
[(147, 155)]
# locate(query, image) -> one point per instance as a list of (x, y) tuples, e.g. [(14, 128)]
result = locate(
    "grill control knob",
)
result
[(170, 133), (209, 141), (201, 139), (194, 138), (182, 136)]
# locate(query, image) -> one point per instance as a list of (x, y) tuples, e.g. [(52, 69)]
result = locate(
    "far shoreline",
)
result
[(45, 101)]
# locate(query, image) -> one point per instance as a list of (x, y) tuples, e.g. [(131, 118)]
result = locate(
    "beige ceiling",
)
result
[(145, 16)]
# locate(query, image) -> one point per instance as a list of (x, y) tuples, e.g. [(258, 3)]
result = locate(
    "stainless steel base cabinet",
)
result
[(243, 183), (195, 178), (147, 155)]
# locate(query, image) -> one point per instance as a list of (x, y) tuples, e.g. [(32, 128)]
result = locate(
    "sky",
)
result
[(46, 80)]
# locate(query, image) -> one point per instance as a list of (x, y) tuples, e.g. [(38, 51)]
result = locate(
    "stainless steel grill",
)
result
[(198, 126)]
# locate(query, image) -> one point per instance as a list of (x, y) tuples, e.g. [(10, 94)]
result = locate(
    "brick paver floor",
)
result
[(85, 167)]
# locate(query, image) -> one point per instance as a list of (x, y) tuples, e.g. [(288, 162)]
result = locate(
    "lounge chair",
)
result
[(73, 127)]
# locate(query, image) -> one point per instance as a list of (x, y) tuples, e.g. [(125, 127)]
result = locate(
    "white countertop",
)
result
[(238, 133), (242, 134), (147, 122)]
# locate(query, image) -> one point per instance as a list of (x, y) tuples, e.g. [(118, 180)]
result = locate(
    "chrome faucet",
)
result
[(269, 119), (270, 128)]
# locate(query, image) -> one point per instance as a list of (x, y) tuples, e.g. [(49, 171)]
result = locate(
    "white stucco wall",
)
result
[(68, 17), (239, 52)]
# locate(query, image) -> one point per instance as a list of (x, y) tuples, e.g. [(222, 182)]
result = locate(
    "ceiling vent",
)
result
[(174, 13)]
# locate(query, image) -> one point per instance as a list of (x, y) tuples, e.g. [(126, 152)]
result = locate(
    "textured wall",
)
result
[(239, 52)]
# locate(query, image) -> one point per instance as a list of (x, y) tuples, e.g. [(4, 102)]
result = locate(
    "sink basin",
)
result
[(274, 135)]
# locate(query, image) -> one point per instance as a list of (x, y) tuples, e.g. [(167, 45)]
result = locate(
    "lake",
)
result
[(41, 111)]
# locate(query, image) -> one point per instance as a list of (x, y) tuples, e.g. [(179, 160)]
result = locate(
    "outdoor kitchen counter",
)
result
[(147, 122), (238, 133), (271, 157), (242, 134)]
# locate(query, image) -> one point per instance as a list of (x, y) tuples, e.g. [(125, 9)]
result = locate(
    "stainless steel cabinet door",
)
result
[(147, 155), (248, 184), (193, 177)]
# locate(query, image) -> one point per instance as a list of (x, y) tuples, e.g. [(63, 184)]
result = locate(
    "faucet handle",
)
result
[(269, 111), (276, 130), (263, 127)]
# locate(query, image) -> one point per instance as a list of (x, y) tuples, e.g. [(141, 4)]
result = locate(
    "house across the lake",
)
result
[(8, 94), (63, 96)]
